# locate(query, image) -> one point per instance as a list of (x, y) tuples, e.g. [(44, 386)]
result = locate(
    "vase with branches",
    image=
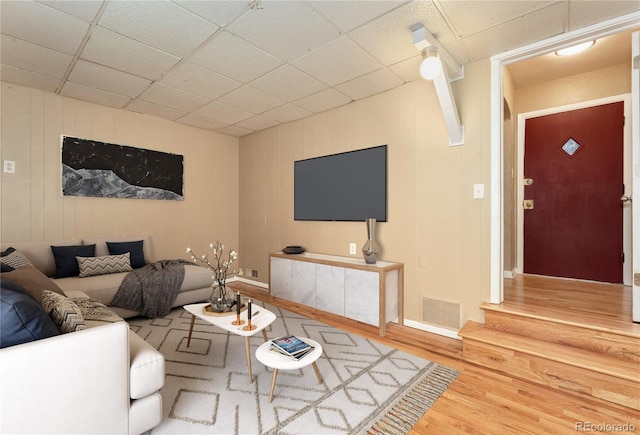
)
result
[(220, 263)]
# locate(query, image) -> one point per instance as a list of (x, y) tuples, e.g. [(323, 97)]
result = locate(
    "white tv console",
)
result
[(349, 287)]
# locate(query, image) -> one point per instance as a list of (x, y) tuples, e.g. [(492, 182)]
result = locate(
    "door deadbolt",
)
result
[(528, 181), (528, 204)]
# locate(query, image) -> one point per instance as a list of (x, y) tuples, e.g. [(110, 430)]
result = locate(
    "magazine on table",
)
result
[(291, 346)]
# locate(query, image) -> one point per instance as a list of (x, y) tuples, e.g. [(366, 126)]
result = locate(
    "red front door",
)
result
[(575, 162)]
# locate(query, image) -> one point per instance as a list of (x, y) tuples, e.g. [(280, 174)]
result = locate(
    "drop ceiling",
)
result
[(241, 66)]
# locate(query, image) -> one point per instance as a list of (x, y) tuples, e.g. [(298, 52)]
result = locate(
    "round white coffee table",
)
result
[(280, 362)]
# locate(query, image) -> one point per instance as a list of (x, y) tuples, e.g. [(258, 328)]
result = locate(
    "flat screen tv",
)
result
[(350, 186)]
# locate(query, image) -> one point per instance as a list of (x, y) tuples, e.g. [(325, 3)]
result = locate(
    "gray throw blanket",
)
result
[(151, 289)]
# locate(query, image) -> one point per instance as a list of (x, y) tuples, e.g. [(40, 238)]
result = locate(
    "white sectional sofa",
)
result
[(100, 378)]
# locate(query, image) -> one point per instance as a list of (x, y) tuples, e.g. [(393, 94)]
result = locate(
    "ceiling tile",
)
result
[(116, 51), (288, 112), (323, 100), (252, 100), (337, 62), (223, 113), (233, 130), (84, 9), (46, 26), (96, 96), (408, 70), (232, 57), (390, 38), (11, 74), (200, 122), (31, 57), (257, 123), (284, 29), (534, 27), (150, 22), (154, 110), (582, 14), (373, 83), (173, 98), (199, 80), (288, 83), (107, 79), (469, 17), (220, 12), (348, 15)]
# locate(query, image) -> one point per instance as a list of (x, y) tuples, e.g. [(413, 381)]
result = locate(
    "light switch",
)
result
[(478, 191), (9, 167)]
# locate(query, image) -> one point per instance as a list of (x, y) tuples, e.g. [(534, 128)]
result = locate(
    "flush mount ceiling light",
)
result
[(435, 66), (575, 49)]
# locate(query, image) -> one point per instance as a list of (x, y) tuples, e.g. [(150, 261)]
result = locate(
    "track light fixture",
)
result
[(436, 66), (431, 65)]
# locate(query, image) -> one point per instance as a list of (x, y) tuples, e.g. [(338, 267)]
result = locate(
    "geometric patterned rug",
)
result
[(367, 386)]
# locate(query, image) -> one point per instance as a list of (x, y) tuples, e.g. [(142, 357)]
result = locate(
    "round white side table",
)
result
[(281, 362)]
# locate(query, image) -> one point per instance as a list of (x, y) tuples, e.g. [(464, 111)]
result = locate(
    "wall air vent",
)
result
[(446, 314)]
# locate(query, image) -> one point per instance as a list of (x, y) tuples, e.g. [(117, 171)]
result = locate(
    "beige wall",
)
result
[(606, 82), (434, 227), (33, 207)]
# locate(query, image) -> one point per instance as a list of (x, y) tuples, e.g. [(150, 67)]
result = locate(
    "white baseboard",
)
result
[(249, 281), (411, 323), (432, 329), (510, 274)]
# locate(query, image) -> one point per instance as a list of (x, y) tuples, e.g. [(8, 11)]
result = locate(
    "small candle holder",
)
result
[(238, 320), (249, 326)]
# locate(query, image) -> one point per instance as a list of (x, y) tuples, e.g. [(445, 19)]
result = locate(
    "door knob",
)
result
[(626, 199)]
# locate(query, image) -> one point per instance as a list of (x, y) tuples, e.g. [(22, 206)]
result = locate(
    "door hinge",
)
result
[(623, 257)]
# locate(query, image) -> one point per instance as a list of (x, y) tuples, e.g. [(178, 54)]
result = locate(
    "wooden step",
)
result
[(566, 368), (556, 326)]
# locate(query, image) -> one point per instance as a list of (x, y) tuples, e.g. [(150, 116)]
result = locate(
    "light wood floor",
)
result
[(482, 401)]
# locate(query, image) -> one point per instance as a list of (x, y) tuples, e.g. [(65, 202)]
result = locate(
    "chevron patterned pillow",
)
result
[(13, 259), (92, 266), (63, 311)]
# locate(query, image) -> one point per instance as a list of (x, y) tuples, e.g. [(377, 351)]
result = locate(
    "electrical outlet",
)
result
[(254, 273), (352, 248), (9, 167)]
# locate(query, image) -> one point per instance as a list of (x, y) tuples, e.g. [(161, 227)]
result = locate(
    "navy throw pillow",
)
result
[(134, 249), (65, 257), (22, 319)]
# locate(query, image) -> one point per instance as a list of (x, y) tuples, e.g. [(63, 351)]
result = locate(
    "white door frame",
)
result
[(627, 177), (635, 157), (616, 25)]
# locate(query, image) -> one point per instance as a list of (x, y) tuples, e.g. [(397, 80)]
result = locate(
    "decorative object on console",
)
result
[(221, 270), (293, 250), (370, 250)]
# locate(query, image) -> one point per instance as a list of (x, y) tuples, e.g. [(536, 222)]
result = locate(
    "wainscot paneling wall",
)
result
[(435, 226), (33, 207)]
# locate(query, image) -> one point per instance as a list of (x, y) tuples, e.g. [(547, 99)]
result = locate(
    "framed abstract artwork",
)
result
[(104, 170)]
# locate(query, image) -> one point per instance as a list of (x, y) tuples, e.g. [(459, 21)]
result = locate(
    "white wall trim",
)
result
[(249, 281), (605, 28), (432, 329)]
